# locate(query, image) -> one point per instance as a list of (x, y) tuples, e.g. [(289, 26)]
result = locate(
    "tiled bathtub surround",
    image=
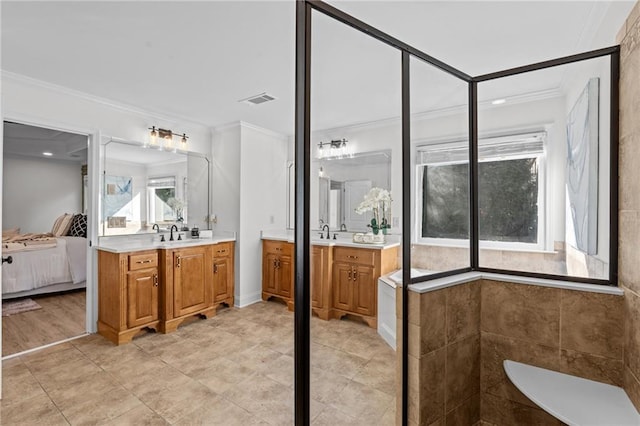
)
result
[(629, 193), (459, 337)]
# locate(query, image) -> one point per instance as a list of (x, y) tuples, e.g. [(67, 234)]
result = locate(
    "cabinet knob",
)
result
[(155, 280), (178, 262), (215, 269), (349, 275), (355, 275)]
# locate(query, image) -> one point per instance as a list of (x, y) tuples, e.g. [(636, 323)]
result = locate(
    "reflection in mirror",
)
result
[(342, 185), (142, 187)]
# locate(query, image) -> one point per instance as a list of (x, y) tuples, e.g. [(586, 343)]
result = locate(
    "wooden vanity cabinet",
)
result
[(277, 271), (128, 289), (159, 289), (321, 266), (223, 273), (355, 280)]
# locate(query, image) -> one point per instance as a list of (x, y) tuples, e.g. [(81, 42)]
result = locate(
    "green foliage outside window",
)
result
[(508, 201)]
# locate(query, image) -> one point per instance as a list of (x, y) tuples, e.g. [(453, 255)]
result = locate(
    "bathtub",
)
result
[(387, 303)]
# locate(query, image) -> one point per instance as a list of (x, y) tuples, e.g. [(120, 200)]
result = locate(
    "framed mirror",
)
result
[(342, 184), (142, 187)]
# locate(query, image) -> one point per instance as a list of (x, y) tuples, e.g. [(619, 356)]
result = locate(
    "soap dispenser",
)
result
[(195, 232)]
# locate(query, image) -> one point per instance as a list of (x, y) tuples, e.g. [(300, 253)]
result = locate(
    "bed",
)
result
[(43, 263)]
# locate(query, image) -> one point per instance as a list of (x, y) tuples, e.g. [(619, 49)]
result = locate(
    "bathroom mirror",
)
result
[(143, 186), (341, 185)]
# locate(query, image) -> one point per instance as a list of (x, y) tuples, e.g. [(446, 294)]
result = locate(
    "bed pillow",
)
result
[(10, 232), (61, 225), (78, 226)]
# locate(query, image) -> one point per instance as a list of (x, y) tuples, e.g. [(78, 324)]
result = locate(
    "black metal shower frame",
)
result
[(302, 156)]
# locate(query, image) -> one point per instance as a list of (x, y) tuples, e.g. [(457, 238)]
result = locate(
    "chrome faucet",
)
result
[(156, 227), (326, 226), (343, 227), (172, 228)]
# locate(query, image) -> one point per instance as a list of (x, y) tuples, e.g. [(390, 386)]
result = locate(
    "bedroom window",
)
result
[(162, 194), (510, 187)]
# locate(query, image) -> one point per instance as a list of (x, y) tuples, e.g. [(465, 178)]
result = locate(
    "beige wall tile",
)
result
[(632, 387), (495, 349), (632, 333), (592, 323), (593, 367), (467, 413), (433, 319), (504, 412), (629, 180), (462, 371), (522, 311), (629, 253), (432, 386), (629, 67), (463, 311)]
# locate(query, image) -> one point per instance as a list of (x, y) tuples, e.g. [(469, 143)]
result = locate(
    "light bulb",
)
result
[(153, 136), (184, 140)]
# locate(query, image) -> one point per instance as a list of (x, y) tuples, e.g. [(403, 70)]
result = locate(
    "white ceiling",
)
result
[(23, 140), (195, 60)]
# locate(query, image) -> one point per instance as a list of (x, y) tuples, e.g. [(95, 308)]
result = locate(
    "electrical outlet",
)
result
[(213, 218)]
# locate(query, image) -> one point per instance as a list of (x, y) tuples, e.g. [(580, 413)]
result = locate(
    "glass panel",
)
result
[(356, 195), (544, 171), (439, 143)]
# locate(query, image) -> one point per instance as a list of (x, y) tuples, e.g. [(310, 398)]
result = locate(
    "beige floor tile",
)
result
[(222, 374), (39, 410), (18, 383), (101, 408), (333, 417), (235, 368), (139, 416), (220, 412), (280, 370), (362, 402), (259, 395), (176, 403)]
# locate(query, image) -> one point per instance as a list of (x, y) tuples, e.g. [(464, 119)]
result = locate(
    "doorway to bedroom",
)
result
[(44, 231)]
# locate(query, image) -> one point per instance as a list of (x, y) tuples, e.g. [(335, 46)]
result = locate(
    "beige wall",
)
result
[(629, 242)]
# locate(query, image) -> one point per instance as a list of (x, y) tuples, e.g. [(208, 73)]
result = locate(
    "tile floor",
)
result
[(233, 369)]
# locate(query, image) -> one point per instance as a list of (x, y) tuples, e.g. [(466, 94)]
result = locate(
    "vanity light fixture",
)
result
[(333, 149), (167, 138)]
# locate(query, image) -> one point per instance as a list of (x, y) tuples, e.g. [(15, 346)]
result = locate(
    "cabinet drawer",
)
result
[(278, 247), (222, 250), (143, 260), (354, 255)]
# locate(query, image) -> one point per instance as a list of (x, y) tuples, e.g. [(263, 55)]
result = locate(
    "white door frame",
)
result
[(93, 166)]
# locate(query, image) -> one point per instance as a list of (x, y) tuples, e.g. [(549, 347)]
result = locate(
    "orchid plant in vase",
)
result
[(378, 201)]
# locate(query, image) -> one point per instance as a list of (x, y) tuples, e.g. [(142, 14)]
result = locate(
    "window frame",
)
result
[(543, 243), (151, 194)]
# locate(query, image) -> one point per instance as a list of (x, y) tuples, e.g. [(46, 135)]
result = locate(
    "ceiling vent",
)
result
[(258, 99)]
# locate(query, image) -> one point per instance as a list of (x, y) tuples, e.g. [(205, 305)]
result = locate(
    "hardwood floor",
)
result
[(62, 316)]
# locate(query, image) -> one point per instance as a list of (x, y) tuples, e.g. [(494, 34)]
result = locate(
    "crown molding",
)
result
[(444, 112), (110, 103), (243, 124)]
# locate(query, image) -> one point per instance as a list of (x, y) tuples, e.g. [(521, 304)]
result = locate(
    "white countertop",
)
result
[(571, 399), (135, 243), (344, 239)]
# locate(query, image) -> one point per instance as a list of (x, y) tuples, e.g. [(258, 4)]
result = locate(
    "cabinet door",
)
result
[(284, 276), (142, 297), (222, 279), (364, 290), (318, 272), (269, 268), (191, 289), (342, 286)]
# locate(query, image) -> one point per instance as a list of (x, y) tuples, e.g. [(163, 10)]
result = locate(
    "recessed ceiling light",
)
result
[(47, 153), (498, 101)]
